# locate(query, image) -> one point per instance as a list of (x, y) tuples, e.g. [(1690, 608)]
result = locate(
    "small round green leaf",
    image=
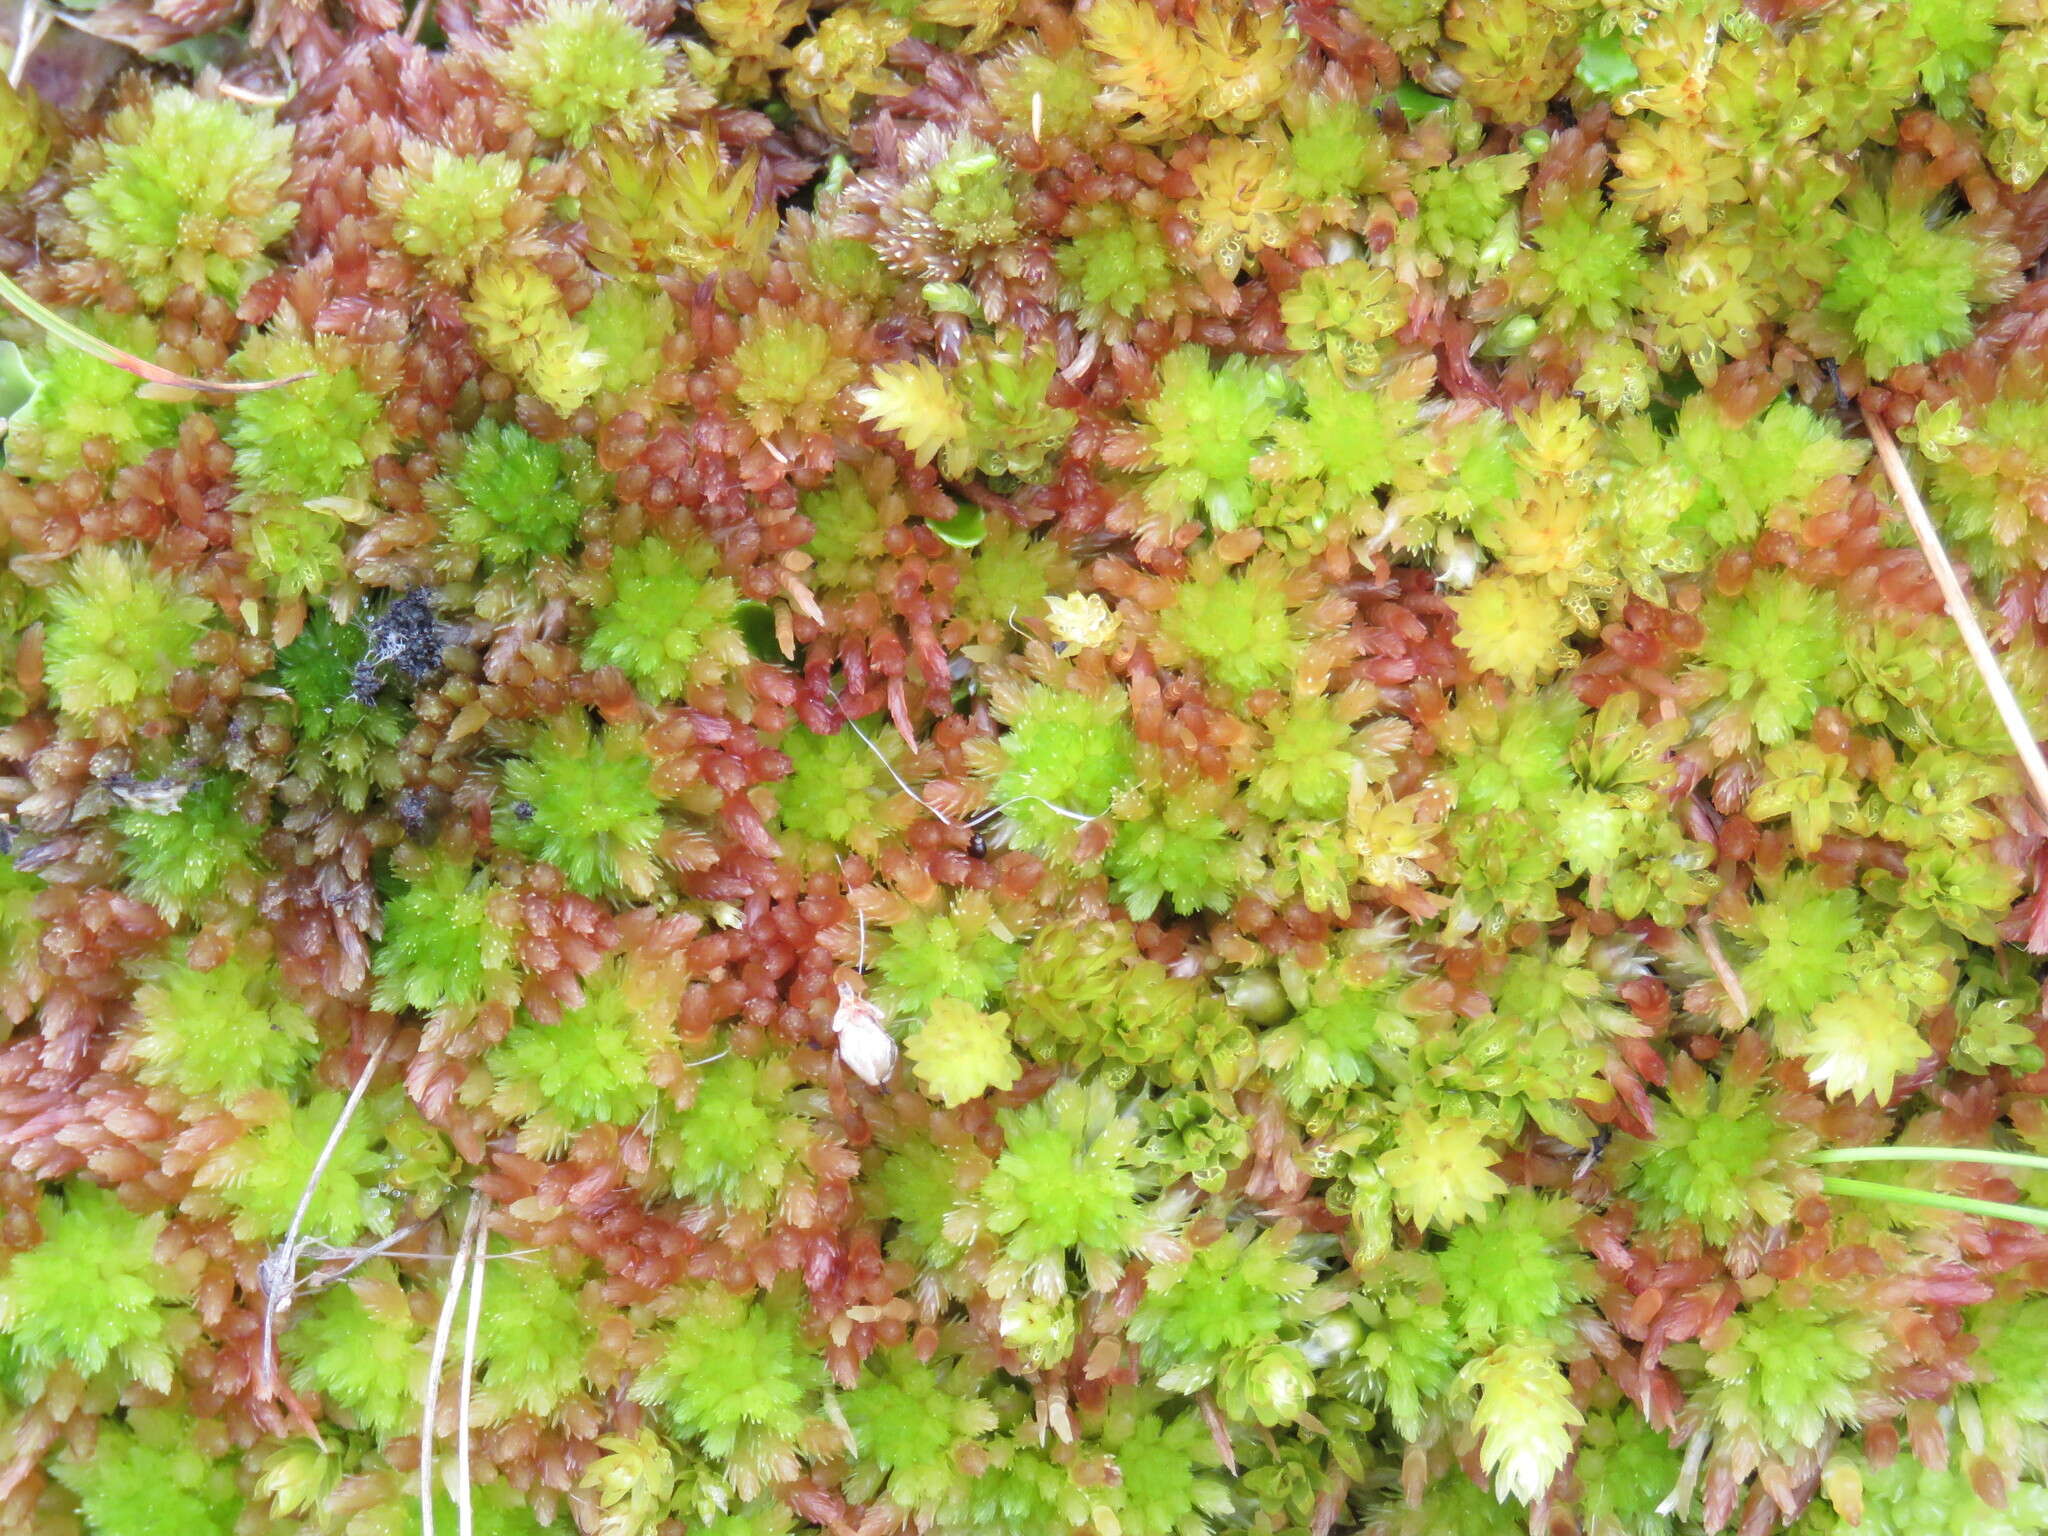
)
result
[(1604, 65), (965, 529), (1414, 101)]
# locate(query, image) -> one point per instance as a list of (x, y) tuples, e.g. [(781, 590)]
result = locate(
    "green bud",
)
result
[(952, 299), (838, 171), (1415, 102), (1501, 244), (1257, 995), (1512, 336), (963, 530), (1041, 1331), (1334, 1338), (1272, 1384)]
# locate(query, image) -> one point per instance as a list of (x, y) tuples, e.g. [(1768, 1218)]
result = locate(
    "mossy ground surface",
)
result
[(1145, 767)]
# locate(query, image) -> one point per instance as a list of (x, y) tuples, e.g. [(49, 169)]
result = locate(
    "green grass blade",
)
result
[(1897, 1195), (56, 325), (1989, 1155)]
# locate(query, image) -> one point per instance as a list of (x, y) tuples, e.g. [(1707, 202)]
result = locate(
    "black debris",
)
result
[(415, 809), (406, 637)]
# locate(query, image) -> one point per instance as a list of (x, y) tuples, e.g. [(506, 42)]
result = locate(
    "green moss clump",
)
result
[(220, 1032), (670, 623), (177, 858), (584, 801), (1242, 628), (310, 439), (1065, 755), (515, 497), (744, 1135), (448, 209), (532, 1339), (447, 942), (124, 1317), (181, 189), (738, 1377), (360, 1346), (261, 1177), (589, 1067), (151, 1474), (580, 66), (834, 782), (1067, 1180), (79, 399), (118, 632), (1907, 284), (342, 738)]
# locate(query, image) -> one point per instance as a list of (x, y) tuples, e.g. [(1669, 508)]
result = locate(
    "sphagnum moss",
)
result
[(1290, 595)]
